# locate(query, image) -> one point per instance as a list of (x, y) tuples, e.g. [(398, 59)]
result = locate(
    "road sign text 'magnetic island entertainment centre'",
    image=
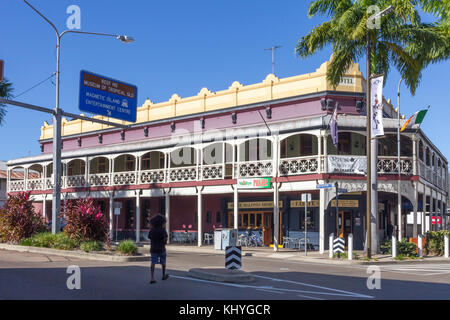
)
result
[(107, 97)]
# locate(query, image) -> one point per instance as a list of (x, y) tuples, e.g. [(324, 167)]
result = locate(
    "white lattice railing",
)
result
[(183, 174), (299, 165), (99, 179), (75, 181), (248, 169), (152, 176), (212, 172), (389, 165), (124, 178), (35, 184), (16, 185)]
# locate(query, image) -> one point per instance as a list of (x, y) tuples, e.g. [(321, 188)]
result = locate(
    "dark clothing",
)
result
[(158, 239), (158, 221), (390, 230)]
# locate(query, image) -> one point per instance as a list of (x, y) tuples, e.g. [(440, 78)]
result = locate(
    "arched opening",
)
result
[(76, 167), (420, 150), (183, 157), (125, 163), (214, 156), (387, 146), (152, 160), (255, 150), (99, 165), (34, 177), (349, 143), (427, 156), (16, 179), (299, 145)]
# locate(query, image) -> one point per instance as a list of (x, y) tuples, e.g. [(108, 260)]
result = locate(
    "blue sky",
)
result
[(180, 47)]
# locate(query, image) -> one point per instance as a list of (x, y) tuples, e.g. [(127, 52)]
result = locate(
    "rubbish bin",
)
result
[(218, 239), (229, 238)]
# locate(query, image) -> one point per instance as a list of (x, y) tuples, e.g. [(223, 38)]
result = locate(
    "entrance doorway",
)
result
[(345, 226), (256, 220)]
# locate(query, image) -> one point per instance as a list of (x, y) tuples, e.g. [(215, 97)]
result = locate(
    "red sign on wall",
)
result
[(433, 220)]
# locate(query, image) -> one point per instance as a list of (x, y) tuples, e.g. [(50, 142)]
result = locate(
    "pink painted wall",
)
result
[(285, 111)]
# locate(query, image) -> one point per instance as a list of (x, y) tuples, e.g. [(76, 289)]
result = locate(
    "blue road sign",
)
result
[(324, 186), (342, 190), (107, 97)]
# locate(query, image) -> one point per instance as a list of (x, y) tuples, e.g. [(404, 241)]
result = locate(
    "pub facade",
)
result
[(186, 158)]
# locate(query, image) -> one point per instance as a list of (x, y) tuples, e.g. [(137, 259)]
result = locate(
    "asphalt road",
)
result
[(37, 276)]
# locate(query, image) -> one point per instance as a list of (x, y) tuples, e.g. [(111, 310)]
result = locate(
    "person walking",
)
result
[(158, 239)]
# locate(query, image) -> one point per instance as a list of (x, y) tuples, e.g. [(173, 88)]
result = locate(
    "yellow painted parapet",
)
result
[(270, 88)]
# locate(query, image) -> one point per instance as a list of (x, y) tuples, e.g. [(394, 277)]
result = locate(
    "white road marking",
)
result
[(308, 297), (422, 270), (318, 287), (340, 293)]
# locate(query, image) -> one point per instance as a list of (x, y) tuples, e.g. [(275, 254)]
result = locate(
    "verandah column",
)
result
[(415, 205), (167, 207), (424, 209), (236, 207), (111, 214), (322, 221), (276, 216), (138, 215), (199, 217)]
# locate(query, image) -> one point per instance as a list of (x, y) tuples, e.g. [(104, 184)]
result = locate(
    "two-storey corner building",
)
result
[(184, 157)]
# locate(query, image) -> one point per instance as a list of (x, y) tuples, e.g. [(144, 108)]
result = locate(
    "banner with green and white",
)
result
[(416, 118)]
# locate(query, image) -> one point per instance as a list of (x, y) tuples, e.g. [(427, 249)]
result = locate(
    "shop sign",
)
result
[(254, 205), (343, 203), (255, 183), (301, 204), (347, 164)]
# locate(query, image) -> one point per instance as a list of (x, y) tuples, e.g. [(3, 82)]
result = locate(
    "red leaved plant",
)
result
[(18, 220), (85, 221)]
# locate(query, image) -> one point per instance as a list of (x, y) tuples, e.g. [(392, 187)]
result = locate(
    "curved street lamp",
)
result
[(56, 200)]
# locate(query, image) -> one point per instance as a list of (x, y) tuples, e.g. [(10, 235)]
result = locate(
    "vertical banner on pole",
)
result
[(376, 98)]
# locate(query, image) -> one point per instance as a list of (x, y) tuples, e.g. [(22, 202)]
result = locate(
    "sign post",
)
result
[(107, 97), (117, 208), (306, 197)]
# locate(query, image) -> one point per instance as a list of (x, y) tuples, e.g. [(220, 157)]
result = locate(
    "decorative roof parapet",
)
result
[(270, 88)]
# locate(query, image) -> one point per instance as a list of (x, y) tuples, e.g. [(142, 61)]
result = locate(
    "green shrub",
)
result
[(48, 240), (404, 248), (127, 247), (89, 246), (26, 242), (434, 245), (63, 242), (44, 239)]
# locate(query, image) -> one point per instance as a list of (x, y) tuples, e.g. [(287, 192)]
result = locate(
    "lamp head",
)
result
[(125, 39)]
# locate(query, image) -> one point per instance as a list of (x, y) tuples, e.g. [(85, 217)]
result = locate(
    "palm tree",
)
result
[(6, 90), (402, 40)]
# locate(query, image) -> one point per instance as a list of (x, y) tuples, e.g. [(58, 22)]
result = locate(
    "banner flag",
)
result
[(376, 101)]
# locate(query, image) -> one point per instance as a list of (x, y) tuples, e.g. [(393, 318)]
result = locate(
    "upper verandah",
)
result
[(271, 88)]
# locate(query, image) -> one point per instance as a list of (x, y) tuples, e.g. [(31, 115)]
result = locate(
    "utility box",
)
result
[(218, 239), (229, 238)]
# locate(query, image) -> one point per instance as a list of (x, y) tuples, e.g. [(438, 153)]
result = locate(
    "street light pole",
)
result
[(370, 187), (56, 201), (399, 194), (368, 151)]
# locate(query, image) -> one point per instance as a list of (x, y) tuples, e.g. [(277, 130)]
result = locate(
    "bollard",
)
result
[(330, 249), (420, 245), (350, 246), (394, 247), (446, 253)]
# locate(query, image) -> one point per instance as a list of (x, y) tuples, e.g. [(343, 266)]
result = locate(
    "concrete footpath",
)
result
[(296, 255)]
